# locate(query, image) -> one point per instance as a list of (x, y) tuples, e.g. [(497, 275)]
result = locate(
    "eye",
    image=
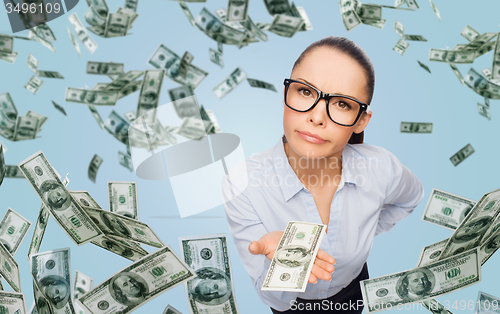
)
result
[(343, 105), (305, 92)]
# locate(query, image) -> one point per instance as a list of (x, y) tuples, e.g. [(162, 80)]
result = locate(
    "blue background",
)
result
[(404, 92)]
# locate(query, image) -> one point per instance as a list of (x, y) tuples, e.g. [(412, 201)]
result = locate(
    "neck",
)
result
[(316, 173)]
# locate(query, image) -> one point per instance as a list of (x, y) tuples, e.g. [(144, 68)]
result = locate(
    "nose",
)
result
[(318, 115)]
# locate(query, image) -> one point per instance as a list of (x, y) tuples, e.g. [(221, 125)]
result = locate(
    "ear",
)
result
[(363, 122)]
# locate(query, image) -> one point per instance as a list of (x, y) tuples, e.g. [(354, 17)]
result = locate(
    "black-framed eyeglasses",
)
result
[(343, 110)]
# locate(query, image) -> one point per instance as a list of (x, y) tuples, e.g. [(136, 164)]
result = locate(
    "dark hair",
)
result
[(351, 49)]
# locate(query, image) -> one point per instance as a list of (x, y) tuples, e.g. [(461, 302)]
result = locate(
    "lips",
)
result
[(312, 138)]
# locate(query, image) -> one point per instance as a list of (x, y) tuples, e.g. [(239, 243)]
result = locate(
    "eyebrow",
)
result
[(299, 78)]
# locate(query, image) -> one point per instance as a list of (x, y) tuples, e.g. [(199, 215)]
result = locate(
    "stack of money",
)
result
[(105, 24), (18, 128)]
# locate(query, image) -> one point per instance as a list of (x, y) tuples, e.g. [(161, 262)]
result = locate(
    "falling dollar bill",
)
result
[(451, 56), (472, 229), (423, 66), (487, 304), (150, 95), (120, 227), (469, 33), (32, 63), (495, 68), (435, 9), (294, 257), (34, 84), (40, 226), (11, 302), (129, 250), (9, 269), (193, 128), (58, 107), (81, 284), (237, 10), (186, 60), (184, 101), (13, 230), (401, 47), (94, 165), (125, 160), (122, 198), (104, 68), (82, 34), (91, 97), (348, 13), (2, 163), (286, 26), (462, 154), (51, 274), (414, 37), (212, 291), (457, 73), (484, 110), (6, 43), (230, 83), (216, 57), (416, 127), (152, 275), (446, 209), (54, 195), (430, 253), (432, 280), (171, 310), (74, 42), (261, 84), (9, 57), (491, 241), (83, 198), (123, 80)]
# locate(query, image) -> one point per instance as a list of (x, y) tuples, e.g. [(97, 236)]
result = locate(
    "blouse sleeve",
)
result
[(404, 193), (246, 226)]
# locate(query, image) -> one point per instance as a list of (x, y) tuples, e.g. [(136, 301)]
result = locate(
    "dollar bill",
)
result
[(9, 57), (6, 43), (208, 256), (151, 275), (122, 81), (216, 57), (82, 34), (131, 5), (261, 84), (348, 13), (33, 63), (225, 33), (435, 279), (416, 127), (13, 230), (479, 41), (125, 160), (104, 68), (187, 12), (192, 128), (13, 172), (51, 272), (164, 58), (46, 43), (451, 56), (430, 253), (150, 95), (184, 104), (230, 83), (286, 26), (74, 42), (50, 74), (26, 128), (97, 98), (462, 154), (40, 226), (435, 9), (294, 257), (469, 33), (222, 15), (130, 13), (481, 85), (42, 119), (412, 4), (130, 88), (186, 60), (401, 47), (127, 249), (120, 227), (101, 7), (414, 37), (490, 242), (67, 213), (423, 66), (122, 198), (301, 12), (94, 165), (369, 11), (495, 68), (2, 163), (237, 10), (118, 127), (93, 18), (487, 73), (116, 25), (487, 304), (83, 198), (9, 269), (11, 302), (171, 310), (457, 73), (81, 284), (277, 7), (250, 26), (96, 115), (484, 110), (446, 209), (34, 84), (399, 28), (472, 229)]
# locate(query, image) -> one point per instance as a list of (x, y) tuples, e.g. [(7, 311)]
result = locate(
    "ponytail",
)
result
[(357, 138)]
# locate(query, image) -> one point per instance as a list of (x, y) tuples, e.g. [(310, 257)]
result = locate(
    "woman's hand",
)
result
[(323, 264)]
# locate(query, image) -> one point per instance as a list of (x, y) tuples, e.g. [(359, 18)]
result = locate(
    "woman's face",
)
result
[(331, 72)]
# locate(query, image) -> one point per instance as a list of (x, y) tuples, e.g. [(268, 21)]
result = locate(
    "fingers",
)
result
[(256, 248), (312, 279), (320, 273), (325, 256), (324, 265)]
